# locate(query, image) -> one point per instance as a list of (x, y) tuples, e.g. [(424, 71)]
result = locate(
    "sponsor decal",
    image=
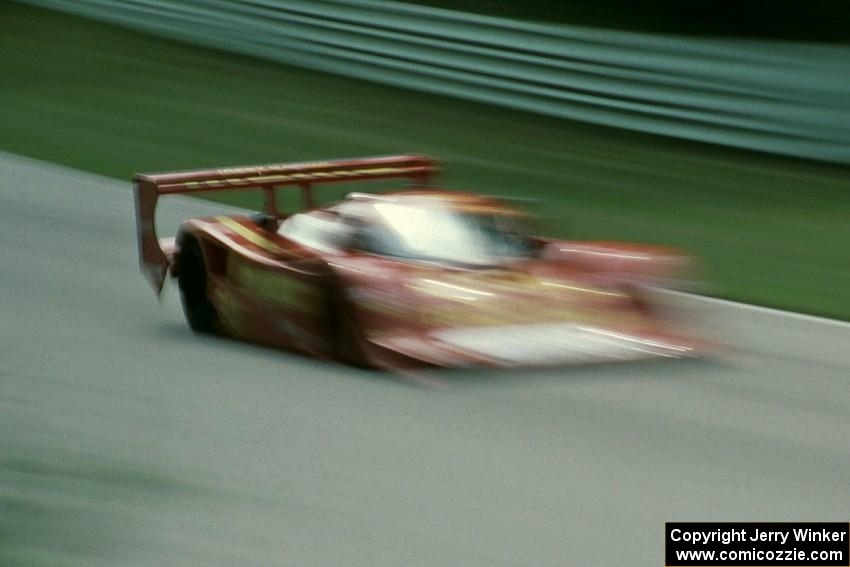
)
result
[(272, 177), (250, 235), (528, 311), (262, 169), (378, 300), (274, 286), (506, 297), (228, 309)]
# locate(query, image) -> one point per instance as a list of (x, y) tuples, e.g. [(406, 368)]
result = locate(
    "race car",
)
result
[(411, 277)]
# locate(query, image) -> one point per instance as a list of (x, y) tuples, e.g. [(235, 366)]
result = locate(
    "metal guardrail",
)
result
[(774, 96)]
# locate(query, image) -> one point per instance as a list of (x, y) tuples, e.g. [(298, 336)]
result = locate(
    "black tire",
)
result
[(333, 322), (342, 345), (192, 279)]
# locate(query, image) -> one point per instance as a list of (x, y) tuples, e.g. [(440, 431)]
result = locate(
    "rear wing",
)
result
[(149, 187)]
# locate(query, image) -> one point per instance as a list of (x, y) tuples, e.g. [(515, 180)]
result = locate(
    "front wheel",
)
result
[(343, 340), (192, 279)]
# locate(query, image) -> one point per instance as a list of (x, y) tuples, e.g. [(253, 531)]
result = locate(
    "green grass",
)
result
[(770, 230)]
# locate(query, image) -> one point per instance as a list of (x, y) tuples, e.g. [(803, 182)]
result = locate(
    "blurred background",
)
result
[(716, 129), (719, 128)]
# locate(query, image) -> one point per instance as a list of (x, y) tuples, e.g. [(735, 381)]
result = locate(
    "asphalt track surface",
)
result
[(127, 440)]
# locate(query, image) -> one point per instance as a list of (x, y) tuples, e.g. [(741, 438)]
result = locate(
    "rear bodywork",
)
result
[(304, 176), (568, 302)]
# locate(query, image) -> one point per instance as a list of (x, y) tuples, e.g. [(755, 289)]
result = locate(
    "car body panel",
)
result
[(306, 285)]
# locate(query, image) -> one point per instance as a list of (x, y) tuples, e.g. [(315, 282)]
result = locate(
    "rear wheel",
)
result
[(192, 279)]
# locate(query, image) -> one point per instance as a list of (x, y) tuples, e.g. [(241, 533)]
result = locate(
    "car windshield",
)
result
[(464, 235)]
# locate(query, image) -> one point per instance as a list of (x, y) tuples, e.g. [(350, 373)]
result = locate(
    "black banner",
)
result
[(763, 544)]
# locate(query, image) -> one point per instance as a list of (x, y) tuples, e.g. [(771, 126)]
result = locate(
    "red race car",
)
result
[(419, 276)]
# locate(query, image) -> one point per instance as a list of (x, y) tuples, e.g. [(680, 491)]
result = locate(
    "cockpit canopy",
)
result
[(423, 226)]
